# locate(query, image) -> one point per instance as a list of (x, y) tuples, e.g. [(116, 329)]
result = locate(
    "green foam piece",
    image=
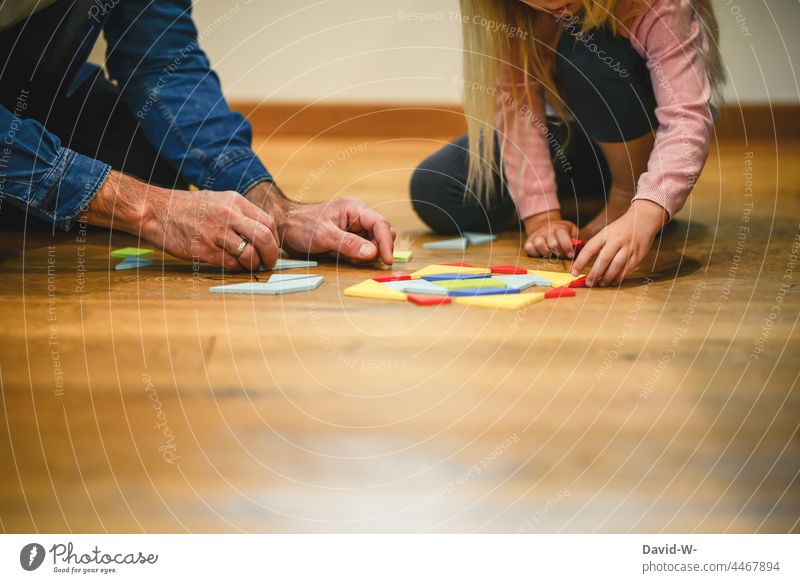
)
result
[(131, 252), (479, 238), (448, 245), (451, 284)]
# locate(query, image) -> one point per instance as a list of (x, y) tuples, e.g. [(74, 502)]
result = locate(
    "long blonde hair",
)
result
[(503, 46)]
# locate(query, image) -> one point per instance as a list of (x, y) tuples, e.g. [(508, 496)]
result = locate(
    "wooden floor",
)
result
[(143, 403)]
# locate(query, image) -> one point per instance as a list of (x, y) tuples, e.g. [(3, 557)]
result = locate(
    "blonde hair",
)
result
[(503, 46)]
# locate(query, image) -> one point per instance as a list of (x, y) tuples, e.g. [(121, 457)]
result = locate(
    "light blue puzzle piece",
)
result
[(522, 282), (290, 264), (417, 286), (281, 277), (133, 263), (271, 289), (449, 244), (479, 238)]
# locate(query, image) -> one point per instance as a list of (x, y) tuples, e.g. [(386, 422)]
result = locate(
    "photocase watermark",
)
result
[(744, 228), (474, 470), (340, 156), (168, 450), (542, 511), (571, 24), (101, 8), (784, 288), (627, 328), (677, 338)]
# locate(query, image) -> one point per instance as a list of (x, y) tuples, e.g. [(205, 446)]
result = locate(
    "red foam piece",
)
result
[(509, 270), (559, 292), (421, 300), (580, 282), (389, 277), (578, 244), (457, 264)]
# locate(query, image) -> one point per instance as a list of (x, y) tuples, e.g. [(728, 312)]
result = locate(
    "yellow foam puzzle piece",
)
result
[(374, 290), (501, 302), (470, 283), (402, 256), (557, 278), (440, 269)]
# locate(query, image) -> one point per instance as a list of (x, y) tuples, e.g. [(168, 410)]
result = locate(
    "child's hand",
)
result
[(622, 245), (548, 233)]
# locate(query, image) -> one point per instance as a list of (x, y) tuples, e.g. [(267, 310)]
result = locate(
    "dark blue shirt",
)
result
[(166, 82)]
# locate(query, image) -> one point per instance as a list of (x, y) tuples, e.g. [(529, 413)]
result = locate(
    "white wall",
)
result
[(362, 50)]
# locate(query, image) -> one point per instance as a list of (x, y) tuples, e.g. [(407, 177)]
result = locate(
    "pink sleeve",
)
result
[(528, 168), (665, 36)]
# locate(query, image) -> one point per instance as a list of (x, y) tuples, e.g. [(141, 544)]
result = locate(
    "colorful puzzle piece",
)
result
[(454, 284), (578, 245), (557, 278), (428, 300), (479, 238), (580, 282), (449, 244), (402, 256), (131, 252), (509, 270), (374, 290), (521, 282), (451, 276), (390, 277), (416, 286), (560, 292), (281, 277), (501, 302), (273, 289), (439, 269), (483, 291), (292, 264), (133, 263)]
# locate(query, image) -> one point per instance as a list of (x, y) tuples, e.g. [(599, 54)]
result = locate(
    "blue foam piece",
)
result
[(449, 244), (291, 264), (523, 281), (281, 277), (479, 238), (416, 286), (272, 289), (133, 263), (483, 291), (448, 276)]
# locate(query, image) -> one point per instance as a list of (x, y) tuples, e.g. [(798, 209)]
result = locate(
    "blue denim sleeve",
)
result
[(41, 176), (168, 85)]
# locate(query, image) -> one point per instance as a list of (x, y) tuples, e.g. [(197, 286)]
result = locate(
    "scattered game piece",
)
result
[(278, 288), (291, 264), (458, 264), (131, 252), (417, 286), (402, 256), (391, 277), (450, 276), (509, 270), (449, 244), (580, 282), (483, 291), (454, 284), (557, 278), (501, 302), (559, 292), (479, 238), (133, 263), (578, 245), (522, 282), (439, 269), (374, 290), (428, 300), (281, 277)]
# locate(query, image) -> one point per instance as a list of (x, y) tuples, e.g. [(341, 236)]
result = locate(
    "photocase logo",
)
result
[(31, 556)]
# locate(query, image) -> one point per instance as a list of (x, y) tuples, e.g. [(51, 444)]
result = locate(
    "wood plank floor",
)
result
[(143, 403)]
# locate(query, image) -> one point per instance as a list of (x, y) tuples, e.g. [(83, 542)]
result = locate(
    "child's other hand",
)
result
[(548, 233), (622, 245)]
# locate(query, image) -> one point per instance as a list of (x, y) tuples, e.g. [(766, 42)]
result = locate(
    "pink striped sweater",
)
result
[(664, 36)]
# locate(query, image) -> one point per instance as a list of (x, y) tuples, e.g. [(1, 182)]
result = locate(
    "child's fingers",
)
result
[(601, 264), (564, 243), (587, 254), (616, 267)]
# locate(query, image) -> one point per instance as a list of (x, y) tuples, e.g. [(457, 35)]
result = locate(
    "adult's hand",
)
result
[(194, 225), (345, 227)]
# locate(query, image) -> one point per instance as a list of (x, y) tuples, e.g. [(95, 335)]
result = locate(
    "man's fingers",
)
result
[(382, 232), (251, 211), (261, 238), (352, 246)]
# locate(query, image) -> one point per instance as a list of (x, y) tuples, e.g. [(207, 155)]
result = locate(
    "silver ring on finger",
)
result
[(240, 249)]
